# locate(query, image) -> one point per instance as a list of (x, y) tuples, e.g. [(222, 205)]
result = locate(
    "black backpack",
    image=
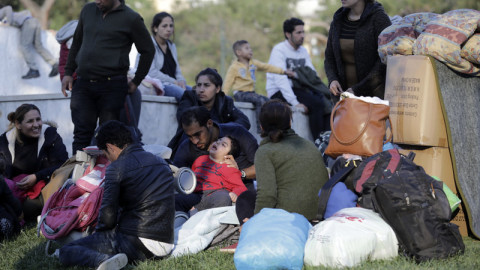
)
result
[(412, 203)]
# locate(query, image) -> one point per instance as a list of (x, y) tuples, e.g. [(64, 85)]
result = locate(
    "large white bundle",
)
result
[(349, 237)]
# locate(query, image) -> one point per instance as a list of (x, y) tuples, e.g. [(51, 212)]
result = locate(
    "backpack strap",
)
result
[(394, 160), (327, 189), (370, 167)]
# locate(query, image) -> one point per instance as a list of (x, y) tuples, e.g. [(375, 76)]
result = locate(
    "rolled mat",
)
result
[(460, 100)]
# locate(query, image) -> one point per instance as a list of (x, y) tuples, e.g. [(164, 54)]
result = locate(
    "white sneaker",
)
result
[(114, 263)]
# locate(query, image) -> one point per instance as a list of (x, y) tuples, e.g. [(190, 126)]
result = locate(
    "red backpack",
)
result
[(70, 208), (75, 206)]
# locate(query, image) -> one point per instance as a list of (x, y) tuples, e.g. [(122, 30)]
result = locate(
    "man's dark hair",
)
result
[(290, 24), (234, 147), (113, 132), (193, 114), (212, 75), (237, 45)]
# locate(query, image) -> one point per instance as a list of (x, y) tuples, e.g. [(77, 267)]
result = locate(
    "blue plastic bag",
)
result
[(272, 239)]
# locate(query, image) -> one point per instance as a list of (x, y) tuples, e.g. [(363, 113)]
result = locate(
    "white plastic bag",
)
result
[(349, 237)]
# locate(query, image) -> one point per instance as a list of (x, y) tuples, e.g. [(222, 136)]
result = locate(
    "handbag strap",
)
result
[(327, 189), (361, 132)]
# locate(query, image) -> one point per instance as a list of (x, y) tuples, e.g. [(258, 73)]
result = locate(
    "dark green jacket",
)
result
[(290, 173), (101, 46)]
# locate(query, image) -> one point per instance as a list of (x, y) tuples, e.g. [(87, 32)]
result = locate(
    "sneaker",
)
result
[(32, 73), (229, 249), (114, 263), (54, 71)]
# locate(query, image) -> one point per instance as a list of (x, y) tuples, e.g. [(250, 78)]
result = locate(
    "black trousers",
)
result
[(317, 119), (99, 100)]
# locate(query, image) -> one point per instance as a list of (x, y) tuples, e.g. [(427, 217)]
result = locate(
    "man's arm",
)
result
[(249, 146), (182, 156), (143, 43), (277, 58), (107, 217), (71, 65)]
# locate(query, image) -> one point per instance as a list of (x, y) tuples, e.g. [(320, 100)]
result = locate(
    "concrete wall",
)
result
[(13, 65), (157, 119)]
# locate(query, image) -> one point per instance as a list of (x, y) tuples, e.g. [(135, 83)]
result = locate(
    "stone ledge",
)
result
[(158, 121)]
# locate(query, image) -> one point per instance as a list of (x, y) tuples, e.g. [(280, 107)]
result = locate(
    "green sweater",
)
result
[(290, 173)]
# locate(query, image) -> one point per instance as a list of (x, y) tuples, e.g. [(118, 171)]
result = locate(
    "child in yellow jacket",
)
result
[(240, 77)]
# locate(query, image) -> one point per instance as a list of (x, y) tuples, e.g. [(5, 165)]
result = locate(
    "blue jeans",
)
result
[(92, 250), (184, 202), (92, 100), (173, 90)]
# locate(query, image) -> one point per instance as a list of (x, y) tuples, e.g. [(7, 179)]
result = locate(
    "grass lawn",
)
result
[(27, 252)]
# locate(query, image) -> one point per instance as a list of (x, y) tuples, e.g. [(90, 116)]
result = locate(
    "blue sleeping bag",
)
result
[(272, 239)]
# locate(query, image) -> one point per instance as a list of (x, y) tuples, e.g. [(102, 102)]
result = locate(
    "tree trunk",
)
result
[(39, 12)]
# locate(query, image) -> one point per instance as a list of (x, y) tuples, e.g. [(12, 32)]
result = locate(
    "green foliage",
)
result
[(405, 7), (15, 4), (64, 11), (204, 35)]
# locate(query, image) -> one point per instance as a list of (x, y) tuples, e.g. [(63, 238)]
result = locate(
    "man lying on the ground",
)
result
[(137, 211)]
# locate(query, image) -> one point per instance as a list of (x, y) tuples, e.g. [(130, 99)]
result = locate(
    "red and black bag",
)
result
[(411, 202)]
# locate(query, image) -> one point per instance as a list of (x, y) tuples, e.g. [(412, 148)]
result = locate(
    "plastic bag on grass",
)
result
[(349, 237), (272, 239)]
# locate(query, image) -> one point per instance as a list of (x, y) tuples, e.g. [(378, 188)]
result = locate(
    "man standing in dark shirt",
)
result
[(99, 54)]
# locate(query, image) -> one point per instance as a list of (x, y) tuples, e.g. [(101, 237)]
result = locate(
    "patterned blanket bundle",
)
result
[(452, 38)]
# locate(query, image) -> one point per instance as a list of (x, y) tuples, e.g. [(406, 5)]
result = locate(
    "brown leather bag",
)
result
[(358, 127)]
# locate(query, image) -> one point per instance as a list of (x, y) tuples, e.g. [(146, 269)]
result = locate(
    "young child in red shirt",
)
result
[(217, 183)]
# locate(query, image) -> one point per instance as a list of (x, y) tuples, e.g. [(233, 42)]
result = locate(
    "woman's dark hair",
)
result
[(275, 119), (19, 114), (234, 147), (157, 20), (212, 75), (113, 132)]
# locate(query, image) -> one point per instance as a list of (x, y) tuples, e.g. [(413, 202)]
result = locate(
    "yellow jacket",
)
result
[(242, 78)]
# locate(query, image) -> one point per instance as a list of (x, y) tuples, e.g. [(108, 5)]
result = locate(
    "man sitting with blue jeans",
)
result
[(136, 216)]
